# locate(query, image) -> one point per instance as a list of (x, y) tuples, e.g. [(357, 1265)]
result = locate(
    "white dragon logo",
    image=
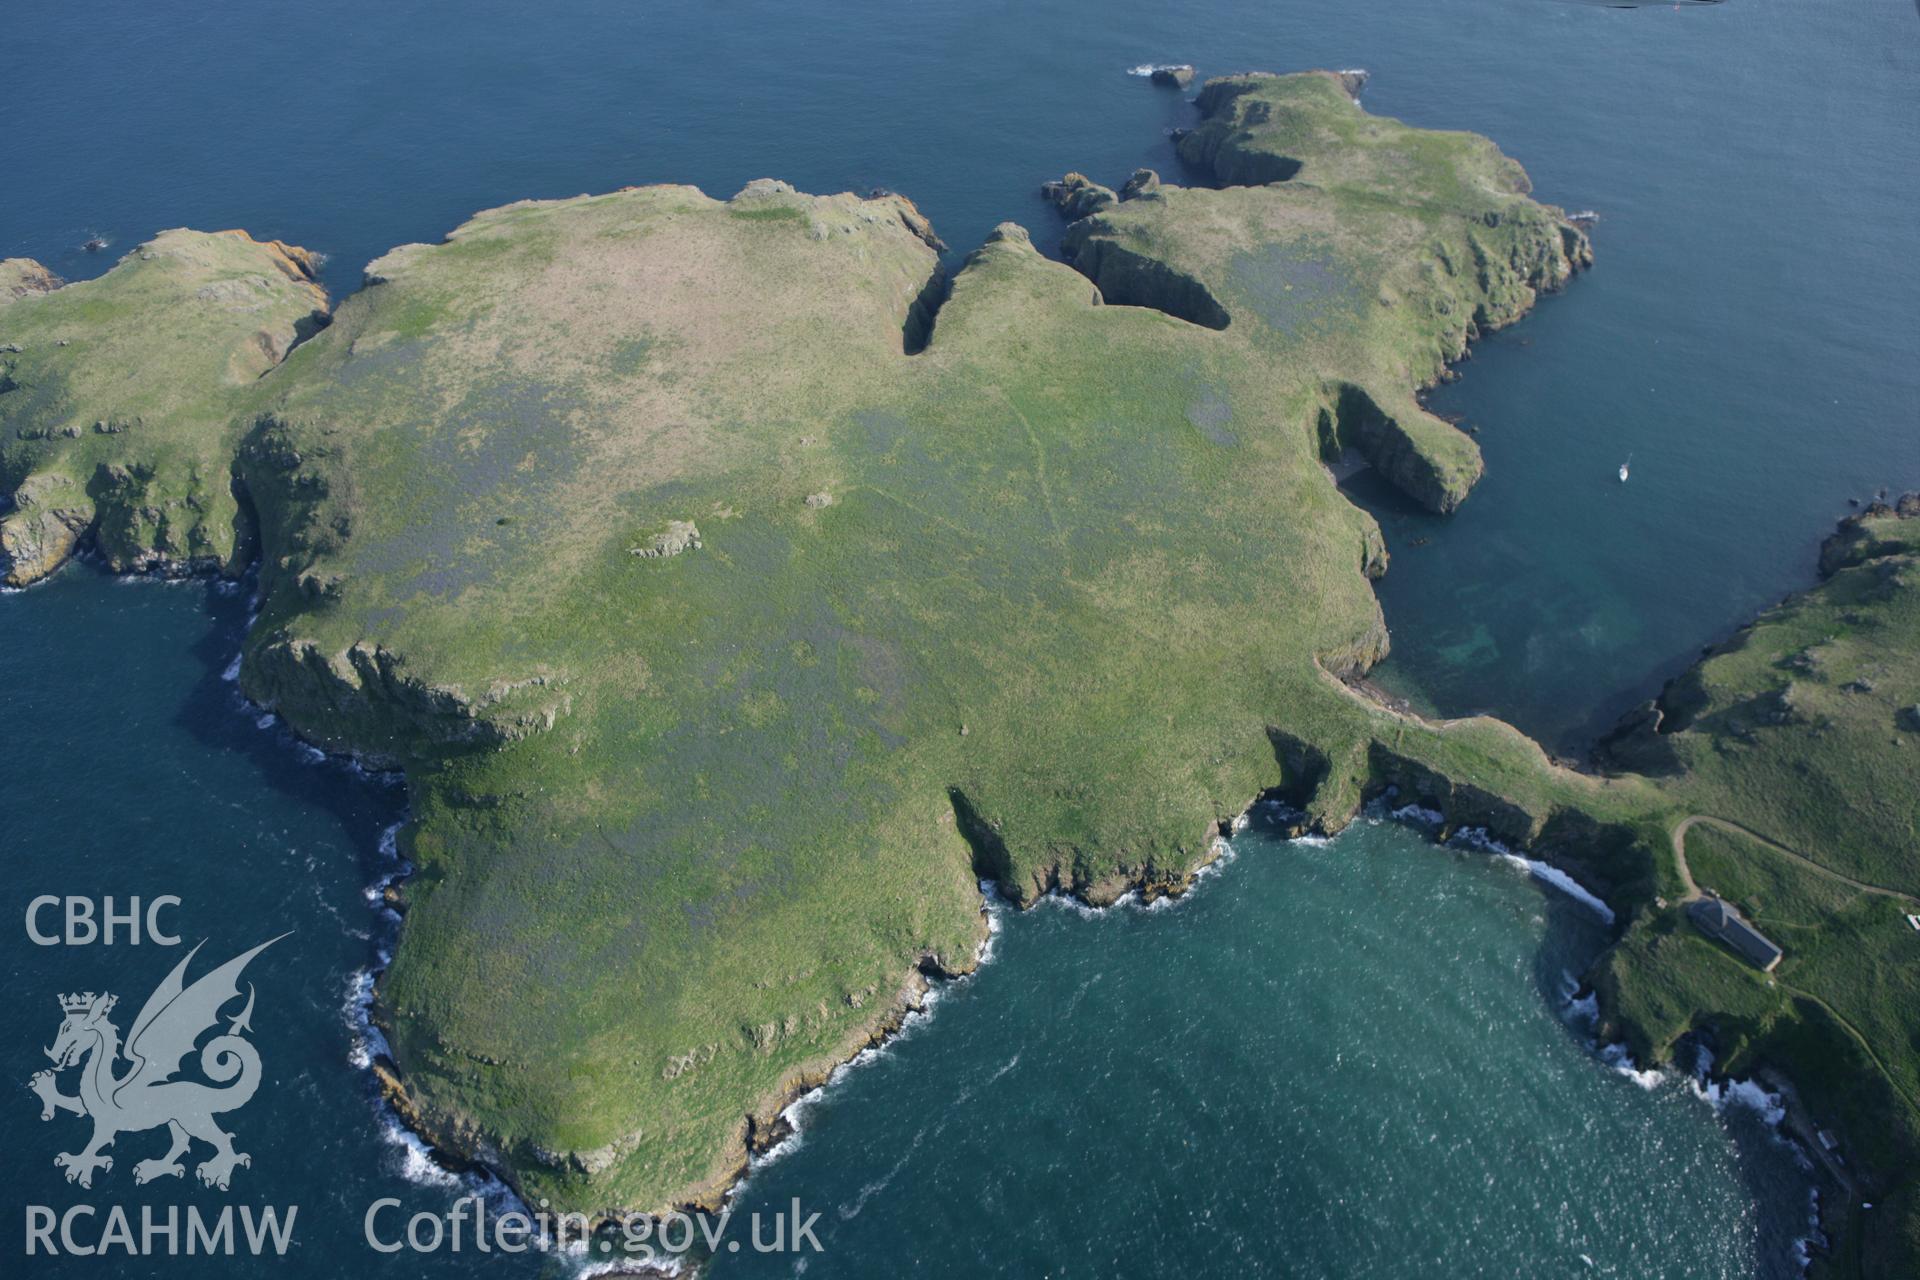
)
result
[(146, 1096)]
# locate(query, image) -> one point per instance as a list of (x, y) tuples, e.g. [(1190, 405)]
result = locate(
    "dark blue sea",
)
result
[(1355, 1059)]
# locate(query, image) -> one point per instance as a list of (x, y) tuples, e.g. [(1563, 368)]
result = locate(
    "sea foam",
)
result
[(1617, 1057), (1477, 838)]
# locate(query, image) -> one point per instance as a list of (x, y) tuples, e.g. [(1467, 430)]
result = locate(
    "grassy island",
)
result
[(738, 589)]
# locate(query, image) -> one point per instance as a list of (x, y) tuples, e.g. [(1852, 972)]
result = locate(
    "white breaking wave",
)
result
[(1617, 1057), (415, 1163), (1223, 852), (665, 1264), (232, 671), (1574, 1007), (1771, 1108), (1419, 815), (1569, 886), (376, 892), (1803, 1246), (1477, 838), (1148, 68), (1722, 1094), (995, 908), (368, 1042), (1086, 911)]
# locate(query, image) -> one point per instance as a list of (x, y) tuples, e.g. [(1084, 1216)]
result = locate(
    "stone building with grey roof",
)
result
[(1717, 919)]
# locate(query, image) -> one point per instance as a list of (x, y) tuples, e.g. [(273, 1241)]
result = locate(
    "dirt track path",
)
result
[(1693, 890)]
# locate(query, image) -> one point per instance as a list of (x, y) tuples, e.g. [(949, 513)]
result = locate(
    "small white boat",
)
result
[(1623, 468)]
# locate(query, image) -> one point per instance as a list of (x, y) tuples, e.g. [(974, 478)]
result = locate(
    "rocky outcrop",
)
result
[(1226, 143), (1077, 196), (301, 266), (1872, 532), (1640, 743), (144, 525), (20, 277), (1464, 804), (1143, 183), (1373, 550), (46, 525), (913, 220), (1172, 77), (679, 536), (363, 700)]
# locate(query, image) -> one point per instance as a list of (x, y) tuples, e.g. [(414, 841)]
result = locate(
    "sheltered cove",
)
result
[(736, 591)]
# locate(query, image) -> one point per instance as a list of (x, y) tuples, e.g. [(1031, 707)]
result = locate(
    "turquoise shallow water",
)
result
[(1342, 1061)]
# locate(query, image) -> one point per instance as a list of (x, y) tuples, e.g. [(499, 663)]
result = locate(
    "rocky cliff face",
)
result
[(47, 521), (364, 701), (1129, 278), (121, 400), (1876, 530), (1425, 458)]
